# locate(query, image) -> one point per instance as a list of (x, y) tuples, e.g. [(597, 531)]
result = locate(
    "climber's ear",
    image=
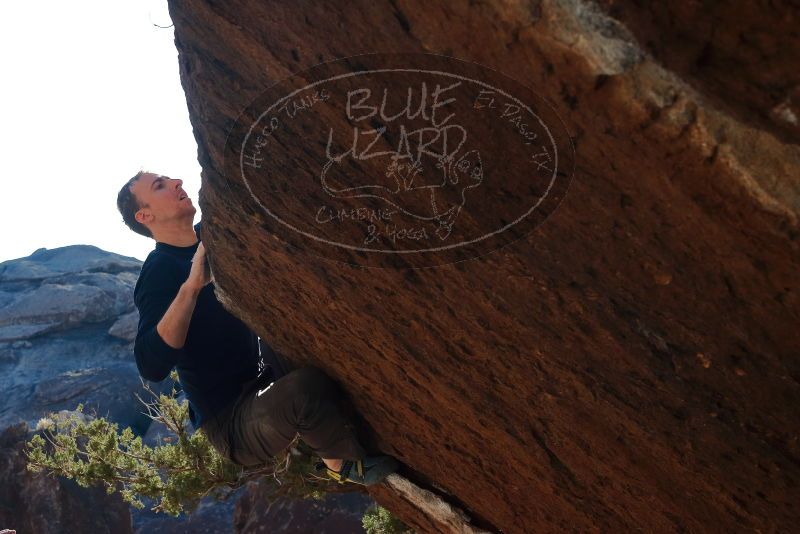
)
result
[(143, 216)]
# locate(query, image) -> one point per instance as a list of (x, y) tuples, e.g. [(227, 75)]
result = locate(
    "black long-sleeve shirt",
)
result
[(220, 353)]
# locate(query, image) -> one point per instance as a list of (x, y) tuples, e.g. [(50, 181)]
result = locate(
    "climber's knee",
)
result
[(314, 390), (313, 380)]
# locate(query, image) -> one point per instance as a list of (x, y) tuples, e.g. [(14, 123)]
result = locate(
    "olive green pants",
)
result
[(267, 415)]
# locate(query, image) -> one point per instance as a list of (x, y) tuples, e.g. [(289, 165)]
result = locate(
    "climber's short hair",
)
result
[(128, 205)]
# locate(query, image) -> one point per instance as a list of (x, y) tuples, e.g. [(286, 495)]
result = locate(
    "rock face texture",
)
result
[(336, 513), (632, 363), (742, 55)]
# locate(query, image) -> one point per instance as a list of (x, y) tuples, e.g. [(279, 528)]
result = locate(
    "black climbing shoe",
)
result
[(366, 471)]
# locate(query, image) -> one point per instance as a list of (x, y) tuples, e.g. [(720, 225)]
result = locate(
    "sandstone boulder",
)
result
[(629, 363)]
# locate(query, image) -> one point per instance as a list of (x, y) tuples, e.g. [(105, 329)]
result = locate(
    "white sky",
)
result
[(90, 93)]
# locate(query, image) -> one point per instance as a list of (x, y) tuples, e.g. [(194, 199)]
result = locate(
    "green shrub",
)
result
[(175, 474), (379, 520)]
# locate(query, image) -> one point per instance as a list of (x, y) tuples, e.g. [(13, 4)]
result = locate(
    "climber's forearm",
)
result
[(174, 326)]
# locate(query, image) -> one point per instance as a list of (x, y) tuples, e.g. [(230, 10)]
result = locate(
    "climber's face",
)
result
[(163, 201)]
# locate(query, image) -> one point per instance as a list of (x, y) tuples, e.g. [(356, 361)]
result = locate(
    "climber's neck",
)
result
[(180, 234)]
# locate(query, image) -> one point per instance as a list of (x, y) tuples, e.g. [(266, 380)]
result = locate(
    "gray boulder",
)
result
[(67, 323), (126, 326), (47, 263)]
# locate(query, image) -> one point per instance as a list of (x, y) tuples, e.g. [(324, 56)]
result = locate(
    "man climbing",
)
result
[(249, 411)]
